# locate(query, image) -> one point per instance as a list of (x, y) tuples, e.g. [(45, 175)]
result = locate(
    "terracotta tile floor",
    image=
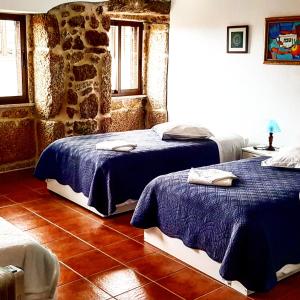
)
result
[(107, 258)]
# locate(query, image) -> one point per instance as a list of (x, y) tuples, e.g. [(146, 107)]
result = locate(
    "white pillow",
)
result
[(170, 130), (286, 158)]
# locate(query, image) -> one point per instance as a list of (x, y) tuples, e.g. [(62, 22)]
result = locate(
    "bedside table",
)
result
[(249, 152)]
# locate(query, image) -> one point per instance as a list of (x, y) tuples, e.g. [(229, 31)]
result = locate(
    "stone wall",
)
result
[(73, 67), (69, 71), (17, 137), (70, 55)]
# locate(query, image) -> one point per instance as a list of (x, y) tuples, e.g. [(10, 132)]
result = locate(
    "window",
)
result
[(13, 87), (126, 50)]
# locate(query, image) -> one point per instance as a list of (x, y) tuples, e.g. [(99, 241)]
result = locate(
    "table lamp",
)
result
[(273, 127)]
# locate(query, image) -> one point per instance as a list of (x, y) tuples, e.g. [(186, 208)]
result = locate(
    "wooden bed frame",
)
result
[(78, 198), (199, 260)]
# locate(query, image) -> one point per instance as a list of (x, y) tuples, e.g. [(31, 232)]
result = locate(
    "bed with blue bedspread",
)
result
[(251, 228), (108, 178)]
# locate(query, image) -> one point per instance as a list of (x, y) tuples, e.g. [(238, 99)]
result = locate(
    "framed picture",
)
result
[(282, 41), (237, 39)]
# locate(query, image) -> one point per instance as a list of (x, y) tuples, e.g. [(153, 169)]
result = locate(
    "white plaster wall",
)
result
[(235, 92), (32, 6)]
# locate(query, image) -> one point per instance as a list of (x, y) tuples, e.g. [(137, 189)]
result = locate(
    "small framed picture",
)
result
[(237, 39), (282, 41)]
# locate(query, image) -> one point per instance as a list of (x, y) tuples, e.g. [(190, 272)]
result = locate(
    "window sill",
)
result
[(128, 97), (17, 105)]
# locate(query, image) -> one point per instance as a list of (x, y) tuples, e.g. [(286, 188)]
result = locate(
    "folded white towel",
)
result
[(211, 177), (118, 145)]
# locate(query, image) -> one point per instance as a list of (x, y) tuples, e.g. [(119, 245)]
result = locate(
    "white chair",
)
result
[(32, 269)]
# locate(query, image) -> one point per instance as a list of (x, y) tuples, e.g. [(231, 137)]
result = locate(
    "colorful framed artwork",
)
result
[(282, 40), (237, 39)]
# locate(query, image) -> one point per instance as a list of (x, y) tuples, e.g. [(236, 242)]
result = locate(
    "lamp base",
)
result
[(270, 148)]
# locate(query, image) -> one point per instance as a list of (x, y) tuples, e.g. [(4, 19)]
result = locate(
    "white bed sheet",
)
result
[(230, 146)]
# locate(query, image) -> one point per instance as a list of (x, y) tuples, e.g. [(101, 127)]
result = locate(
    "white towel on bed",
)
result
[(118, 145), (211, 177), (40, 266)]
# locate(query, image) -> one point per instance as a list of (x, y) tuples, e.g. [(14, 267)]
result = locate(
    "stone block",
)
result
[(57, 83), (140, 6), (82, 85), (104, 125), (48, 132), (127, 103), (106, 22), (17, 141), (161, 7), (89, 107), (156, 117), (65, 14), (105, 89), (133, 103), (94, 22), (85, 127), (49, 88), (124, 120), (116, 103), (96, 38), (78, 7), (99, 9), (105, 107), (143, 17), (84, 72), (15, 113), (72, 97), (94, 59), (75, 57), (67, 44), (71, 112), (77, 21), (78, 44), (45, 30)]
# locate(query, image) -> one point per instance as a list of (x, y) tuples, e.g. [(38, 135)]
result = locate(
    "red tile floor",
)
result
[(107, 258)]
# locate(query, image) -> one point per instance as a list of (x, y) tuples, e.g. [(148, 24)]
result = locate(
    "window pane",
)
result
[(129, 57), (113, 48), (10, 58)]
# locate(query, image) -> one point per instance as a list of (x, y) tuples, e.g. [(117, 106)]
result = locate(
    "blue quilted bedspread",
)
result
[(251, 228), (108, 178)]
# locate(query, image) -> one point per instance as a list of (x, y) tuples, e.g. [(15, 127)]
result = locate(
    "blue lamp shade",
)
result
[(273, 127)]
